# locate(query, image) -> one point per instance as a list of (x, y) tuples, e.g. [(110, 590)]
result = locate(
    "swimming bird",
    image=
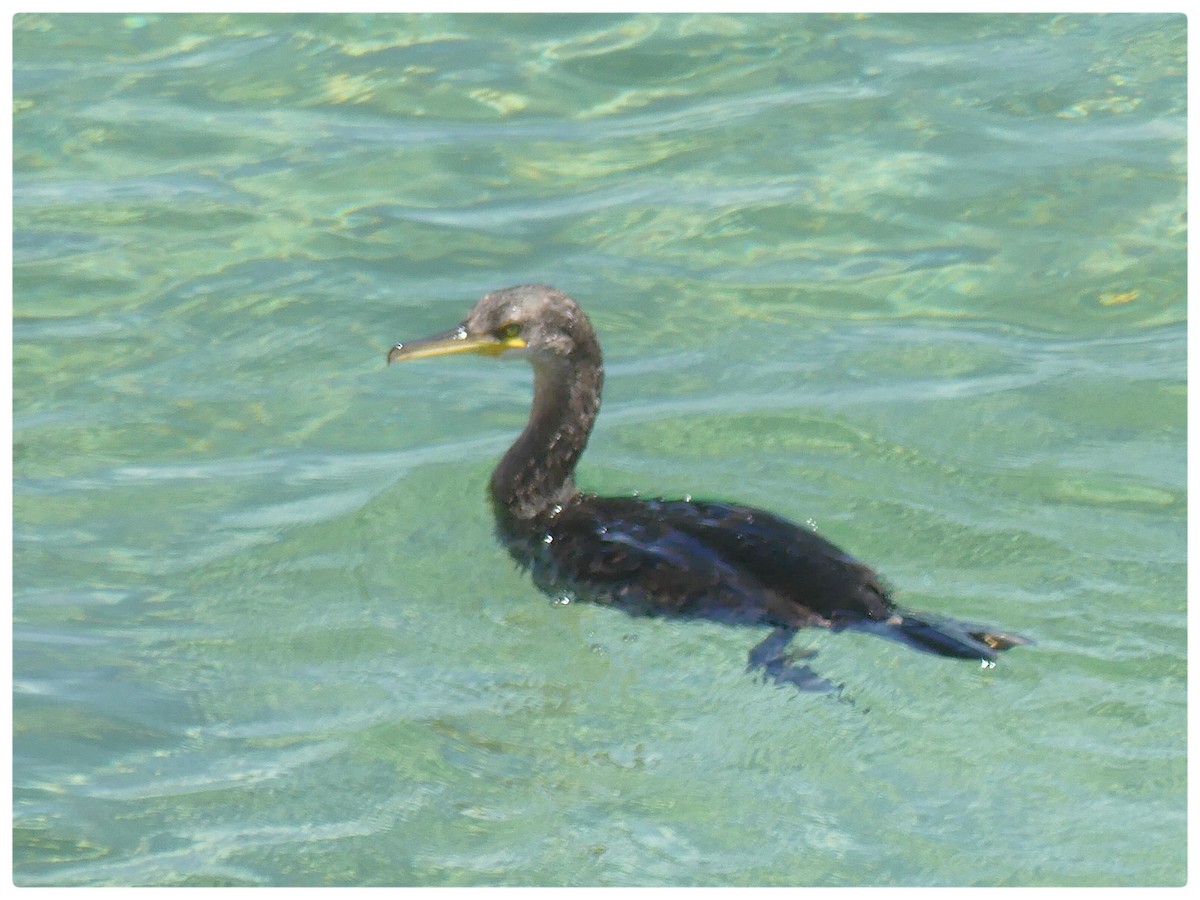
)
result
[(647, 557)]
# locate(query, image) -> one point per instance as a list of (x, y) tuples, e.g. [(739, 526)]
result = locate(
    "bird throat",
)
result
[(536, 476)]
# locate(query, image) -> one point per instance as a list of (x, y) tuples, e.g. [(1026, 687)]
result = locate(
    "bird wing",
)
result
[(796, 560), (623, 553), (813, 579)]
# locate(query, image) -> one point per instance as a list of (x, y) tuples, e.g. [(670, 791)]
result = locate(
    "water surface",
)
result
[(916, 280)]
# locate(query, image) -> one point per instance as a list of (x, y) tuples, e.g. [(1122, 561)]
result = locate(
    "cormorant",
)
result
[(679, 558)]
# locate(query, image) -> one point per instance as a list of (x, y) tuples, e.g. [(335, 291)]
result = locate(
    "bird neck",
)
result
[(537, 473)]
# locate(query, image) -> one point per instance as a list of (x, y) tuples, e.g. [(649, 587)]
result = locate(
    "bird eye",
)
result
[(509, 331)]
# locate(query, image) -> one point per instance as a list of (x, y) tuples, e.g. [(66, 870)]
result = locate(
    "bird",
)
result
[(685, 558)]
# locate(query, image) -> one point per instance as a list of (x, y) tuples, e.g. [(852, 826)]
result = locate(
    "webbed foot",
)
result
[(769, 657)]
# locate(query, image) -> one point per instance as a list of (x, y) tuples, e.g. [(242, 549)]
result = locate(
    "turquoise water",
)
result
[(916, 280)]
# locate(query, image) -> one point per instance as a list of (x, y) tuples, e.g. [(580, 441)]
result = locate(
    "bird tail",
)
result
[(945, 637)]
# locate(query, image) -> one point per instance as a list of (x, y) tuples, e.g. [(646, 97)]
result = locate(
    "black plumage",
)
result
[(678, 558)]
